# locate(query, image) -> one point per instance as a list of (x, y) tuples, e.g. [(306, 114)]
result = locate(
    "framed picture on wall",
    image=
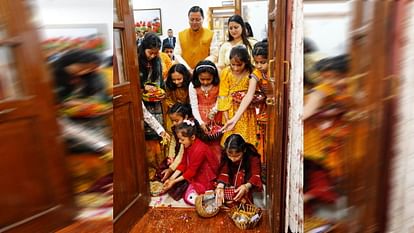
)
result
[(148, 20)]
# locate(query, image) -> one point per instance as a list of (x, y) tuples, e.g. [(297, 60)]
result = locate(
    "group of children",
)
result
[(211, 118)]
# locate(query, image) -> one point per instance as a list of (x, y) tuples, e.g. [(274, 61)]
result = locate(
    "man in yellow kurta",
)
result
[(195, 43)]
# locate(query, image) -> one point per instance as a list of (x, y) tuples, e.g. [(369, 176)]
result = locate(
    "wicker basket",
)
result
[(156, 188), (205, 205), (245, 216)]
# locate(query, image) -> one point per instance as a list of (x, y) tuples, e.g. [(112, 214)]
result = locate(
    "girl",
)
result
[(237, 36), (178, 80), (240, 168), (152, 83), (261, 64), (325, 129), (198, 166), (177, 113), (237, 88), (203, 92)]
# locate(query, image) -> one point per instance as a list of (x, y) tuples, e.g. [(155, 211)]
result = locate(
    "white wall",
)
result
[(174, 12), (330, 34), (60, 12), (252, 12), (294, 201), (401, 210)]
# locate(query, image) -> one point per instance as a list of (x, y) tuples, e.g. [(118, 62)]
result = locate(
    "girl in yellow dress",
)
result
[(237, 88), (325, 129)]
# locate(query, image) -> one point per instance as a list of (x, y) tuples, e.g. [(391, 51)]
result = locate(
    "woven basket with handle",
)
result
[(245, 216), (205, 204)]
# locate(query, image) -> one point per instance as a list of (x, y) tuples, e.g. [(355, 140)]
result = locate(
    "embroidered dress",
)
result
[(199, 166), (207, 101), (247, 124), (234, 174)]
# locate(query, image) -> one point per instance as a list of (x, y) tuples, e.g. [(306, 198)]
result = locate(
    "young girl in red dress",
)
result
[(198, 166), (239, 170)]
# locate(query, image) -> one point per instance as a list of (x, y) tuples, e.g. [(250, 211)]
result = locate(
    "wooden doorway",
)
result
[(139, 196), (131, 191), (36, 193)]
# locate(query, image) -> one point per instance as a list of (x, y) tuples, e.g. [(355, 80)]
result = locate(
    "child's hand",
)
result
[(219, 196), (204, 128), (241, 191), (229, 125), (167, 185), (212, 114), (166, 174), (165, 136)]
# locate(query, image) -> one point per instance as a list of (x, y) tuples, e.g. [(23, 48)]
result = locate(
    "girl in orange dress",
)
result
[(203, 91), (261, 63)]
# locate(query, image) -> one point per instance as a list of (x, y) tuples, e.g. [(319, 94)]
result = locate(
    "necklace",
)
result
[(206, 89), (237, 174)]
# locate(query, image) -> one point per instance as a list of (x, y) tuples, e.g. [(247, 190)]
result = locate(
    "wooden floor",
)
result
[(163, 220), (90, 226)]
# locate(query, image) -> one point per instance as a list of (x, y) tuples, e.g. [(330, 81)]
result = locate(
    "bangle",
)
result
[(219, 187)]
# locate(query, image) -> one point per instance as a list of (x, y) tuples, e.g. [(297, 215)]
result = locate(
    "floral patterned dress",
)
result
[(247, 125)]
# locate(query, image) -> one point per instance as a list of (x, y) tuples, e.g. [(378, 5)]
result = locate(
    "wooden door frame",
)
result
[(279, 24), (380, 107), (126, 219)]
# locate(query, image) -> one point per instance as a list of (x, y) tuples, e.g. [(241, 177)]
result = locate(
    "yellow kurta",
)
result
[(195, 46), (247, 124)]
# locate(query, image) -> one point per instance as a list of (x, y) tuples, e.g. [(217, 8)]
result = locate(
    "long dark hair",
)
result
[(184, 110), (186, 129), (93, 82), (260, 49), (179, 68), (150, 41), (236, 142), (249, 30), (205, 66), (240, 52), (239, 20)]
